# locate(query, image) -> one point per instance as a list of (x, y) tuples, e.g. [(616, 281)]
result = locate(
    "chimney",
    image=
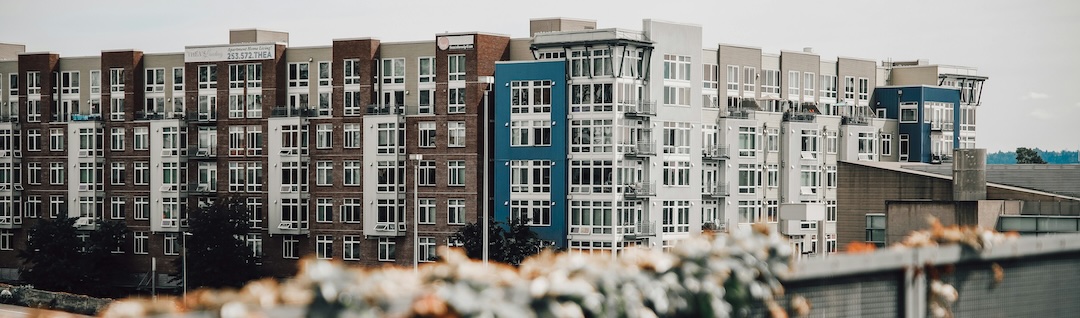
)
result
[(969, 174)]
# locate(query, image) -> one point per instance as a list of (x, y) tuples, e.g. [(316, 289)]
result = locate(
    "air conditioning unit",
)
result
[(17, 187), (5, 220), (286, 225), (168, 223), (84, 221)]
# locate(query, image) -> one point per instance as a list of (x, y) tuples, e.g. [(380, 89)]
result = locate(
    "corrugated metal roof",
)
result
[(1060, 179)]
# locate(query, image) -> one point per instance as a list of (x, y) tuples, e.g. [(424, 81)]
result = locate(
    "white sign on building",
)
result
[(455, 42), (229, 53)]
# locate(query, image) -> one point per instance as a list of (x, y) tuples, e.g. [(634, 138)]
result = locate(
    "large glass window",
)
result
[(875, 229)]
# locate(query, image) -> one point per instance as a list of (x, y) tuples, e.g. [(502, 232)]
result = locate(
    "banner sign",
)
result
[(229, 53)]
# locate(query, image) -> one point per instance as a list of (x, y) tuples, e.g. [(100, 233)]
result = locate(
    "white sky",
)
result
[(1028, 48)]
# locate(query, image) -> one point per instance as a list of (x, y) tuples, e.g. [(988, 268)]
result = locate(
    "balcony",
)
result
[(389, 229), (641, 150), (738, 114), (855, 120), (202, 117), (715, 153), (141, 115), (86, 117), (639, 190), (716, 191), (292, 112), (719, 226), (386, 109), (801, 117), (640, 109), (201, 189), (643, 229)]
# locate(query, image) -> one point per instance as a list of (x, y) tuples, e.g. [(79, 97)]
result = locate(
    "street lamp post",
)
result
[(183, 264), (416, 211)]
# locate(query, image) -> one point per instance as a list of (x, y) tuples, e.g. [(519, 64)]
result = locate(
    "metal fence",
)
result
[(1041, 279)]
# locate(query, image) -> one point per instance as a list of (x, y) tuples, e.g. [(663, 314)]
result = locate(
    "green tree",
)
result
[(1027, 156), (56, 258), (508, 244), (217, 253)]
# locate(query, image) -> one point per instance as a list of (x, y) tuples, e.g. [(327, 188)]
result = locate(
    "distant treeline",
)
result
[(1051, 157)]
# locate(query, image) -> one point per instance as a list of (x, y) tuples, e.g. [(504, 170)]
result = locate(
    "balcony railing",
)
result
[(641, 109), (639, 190), (716, 191), (292, 112), (376, 109), (86, 117), (738, 114), (641, 150), (202, 116), (855, 120), (715, 153), (802, 117)]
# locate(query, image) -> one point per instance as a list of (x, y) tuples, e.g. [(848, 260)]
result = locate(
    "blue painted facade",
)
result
[(891, 98), (554, 71)]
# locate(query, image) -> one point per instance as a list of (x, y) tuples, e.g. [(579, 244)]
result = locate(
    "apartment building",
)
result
[(374, 153)]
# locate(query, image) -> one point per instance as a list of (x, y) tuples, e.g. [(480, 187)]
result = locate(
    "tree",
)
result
[(1027, 156), (217, 253), (509, 244), (56, 258)]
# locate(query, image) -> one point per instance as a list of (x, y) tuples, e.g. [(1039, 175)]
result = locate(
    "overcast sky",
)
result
[(1029, 49)]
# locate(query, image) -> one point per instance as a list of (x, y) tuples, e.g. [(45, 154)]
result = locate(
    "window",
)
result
[(772, 211), (142, 208), (298, 74), (426, 247), (830, 176), (324, 73), (178, 78), (772, 176), (324, 104), (288, 247), (117, 175), (141, 241), (456, 133), (676, 67), (427, 211), (455, 101), (389, 211), (750, 79), (710, 75), (352, 173), (324, 246), (142, 138), (387, 249), (33, 140), (808, 86), (591, 135), (33, 83), (793, 84), (172, 244), (455, 211), (830, 211), (33, 110), (456, 67), (886, 144), (387, 137), (352, 105), (5, 240), (456, 173), (324, 175), (909, 113), (393, 71), (57, 205), (749, 178), (530, 176), (324, 136), (676, 215), (427, 173), (33, 206), (749, 211), (828, 86), (56, 139), (771, 85), (849, 87), (831, 142), (864, 89), (116, 139), (677, 138), (903, 146), (424, 101), (427, 134), (351, 251), (535, 212), (733, 77), (388, 176), (530, 97), (33, 172), (676, 173), (866, 146), (352, 71), (530, 133), (56, 173), (676, 95), (808, 176), (426, 70), (155, 80), (324, 210), (207, 76), (875, 229), (809, 138), (772, 139), (747, 142)]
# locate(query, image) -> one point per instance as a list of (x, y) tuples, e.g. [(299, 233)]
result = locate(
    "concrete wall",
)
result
[(918, 75), (559, 24)]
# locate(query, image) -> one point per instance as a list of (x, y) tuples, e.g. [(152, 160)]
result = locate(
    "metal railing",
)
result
[(283, 111), (641, 108), (640, 189), (715, 153), (855, 120), (801, 117), (717, 191), (641, 149), (376, 109)]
